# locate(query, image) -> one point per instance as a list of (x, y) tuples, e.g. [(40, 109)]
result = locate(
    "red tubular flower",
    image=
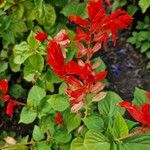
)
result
[(4, 86), (6, 98), (10, 108), (141, 115), (58, 118), (148, 95), (41, 36)]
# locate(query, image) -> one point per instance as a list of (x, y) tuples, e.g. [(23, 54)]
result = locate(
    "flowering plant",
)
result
[(77, 114)]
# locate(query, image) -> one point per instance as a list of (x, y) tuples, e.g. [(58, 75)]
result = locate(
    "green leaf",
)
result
[(3, 66), (61, 136), (139, 97), (74, 8), (96, 141), (145, 47), (33, 43), (120, 126), (132, 9), (33, 67), (21, 52), (42, 146), (17, 91), (37, 134), (27, 115), (59, 102), (144, 4), (36, 94), (109, 105), (46, 15), (47, 124), (94, 122), (77, 144), (148, 65), (72, 121)]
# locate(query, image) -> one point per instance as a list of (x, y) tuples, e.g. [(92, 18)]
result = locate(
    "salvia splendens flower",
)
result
[(4, 96), (58, 118), (41, 36), (140, 114)]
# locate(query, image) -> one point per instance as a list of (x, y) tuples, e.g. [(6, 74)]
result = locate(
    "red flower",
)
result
[(148, 95), (58, 118), (10, 108), (100, 24), (3, 86), (41, 36), (141, 115), (6, 98)]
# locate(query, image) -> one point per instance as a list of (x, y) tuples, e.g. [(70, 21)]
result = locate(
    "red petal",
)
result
[(93, 8), (79, 21), (58, 118), (81, 50), (10, 108), (73, 81), (148, 95), (54, 55), (41, 36), (100, 76), (4, 86)]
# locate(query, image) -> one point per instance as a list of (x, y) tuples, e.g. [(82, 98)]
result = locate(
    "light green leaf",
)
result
[(94, 122), (120, 126), (46, 15), (74, 8), (62, 136), (36, 94), (77, 144), (72, 121), (144, 4), (33, 43), (96, 141), (37, 133), (109, 105), (59, 102), (33, 67), (139, 97), (42, 146), (3, 66), (27, 115)]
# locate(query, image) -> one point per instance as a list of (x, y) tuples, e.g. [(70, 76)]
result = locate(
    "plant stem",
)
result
[(133, 133)]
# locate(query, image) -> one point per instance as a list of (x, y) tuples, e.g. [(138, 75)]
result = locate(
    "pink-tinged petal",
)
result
[(100, 76), (148, 95), (41, 36), (62, 38), (97, 87), (96, 47), (75, 108), (3, 86), (108, 3), (99, 96), (81, 62), (82, 35), (10, 108), (73, 81), (81, 50), (94, 7), (96, 64), (58, 118), (79, 21)]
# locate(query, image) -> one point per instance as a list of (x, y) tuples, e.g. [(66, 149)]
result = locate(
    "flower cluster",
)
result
[(4, 96), (80, 76), (142, 114)]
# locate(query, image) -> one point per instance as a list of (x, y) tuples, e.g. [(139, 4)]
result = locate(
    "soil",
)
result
[(126, 70)]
